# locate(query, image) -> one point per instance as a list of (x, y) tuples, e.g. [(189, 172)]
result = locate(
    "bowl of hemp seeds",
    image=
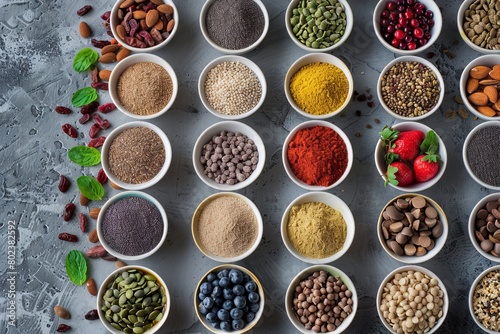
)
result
[(484, 223), (410, 88), (232, 87), (483, 300), (476, 25), (133, 297), (136, 155), (143, 86)]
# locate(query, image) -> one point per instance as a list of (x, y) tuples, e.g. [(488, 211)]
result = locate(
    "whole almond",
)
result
[(61, 312), (107, 58), (496, 106), (114, 185), (139, 14), (478, 99), (170, 25), (157, 2), (85, 29), (110, 48), (96, 252), (492, 93), (143, 25), (94, 213), (487, 111), (479, 72), (122, 54), (495, 72), (83, 200), (91, 287), (487, 82), (472, 85), (127, 3), (159, 25), (119, 264), (93, 237), (104, 74), (152, 17), (120, 31), (165, 9)]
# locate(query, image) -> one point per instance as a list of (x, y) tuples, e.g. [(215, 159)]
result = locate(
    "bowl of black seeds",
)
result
[(234, 27), (481, 152), (132, 225)]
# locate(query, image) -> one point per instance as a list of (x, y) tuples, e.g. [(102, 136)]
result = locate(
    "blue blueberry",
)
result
[(208, 303), (246, 278), (215, 324), (218, 301), (228, 294), (253, 297), (228, 305), (240, 301), (224, 282), (216, 291), (246, 309), (236, 313), (254, 307), (215, 282), (201, 296), (225, 326), (211, 277), (238, 290), (215, 309), (238, 324), (236, 276), (211, 317), (249, 317), (223, 273), (250, 286), (202, 309), (206, 288), (223, 315)]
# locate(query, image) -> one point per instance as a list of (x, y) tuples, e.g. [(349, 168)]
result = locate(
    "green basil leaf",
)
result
[(76, 267), (84, 156), (90, 188), (84, 96), (84, 59)]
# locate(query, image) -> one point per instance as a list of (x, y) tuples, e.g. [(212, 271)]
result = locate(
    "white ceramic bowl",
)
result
[(347, 31), (435, 30), (114, 21), (134, 59), (195, 232), (439, 242), (111, 278), (216, 129), (408, 59), (302, 276), (245, 61), (486, 60), (466, 160), (259, 313), (472, 225), (249, 48), (471, 298), (314, 58), (109, 141), (382, 167), (117, 198), (333, 202), (460, 23), (423, 270), (310, 124)]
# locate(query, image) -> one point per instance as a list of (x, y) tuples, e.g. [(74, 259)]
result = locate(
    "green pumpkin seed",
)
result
[(123, 300), (129, 280), (140, 319), (108, 293), (139, 300), (153, 315), (141, 313), (159, 308), (147, 327), (131, 285), (124, 313), (108, 318), (127, 330), (116, 326), (146, 301), (116, 317), (150, 278), (139, 324), (129, 294), (158, 318), (132, 318), (138, 330), (155, 297), (126, 321), (122, 324), (125, 274), (115, 308)]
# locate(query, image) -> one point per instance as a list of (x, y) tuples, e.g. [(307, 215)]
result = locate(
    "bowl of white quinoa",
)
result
[(232, 87)]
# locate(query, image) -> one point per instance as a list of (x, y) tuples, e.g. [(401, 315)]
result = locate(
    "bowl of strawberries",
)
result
[(410, 156)]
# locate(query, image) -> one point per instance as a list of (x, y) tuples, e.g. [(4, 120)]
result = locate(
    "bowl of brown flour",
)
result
[(227, 227)]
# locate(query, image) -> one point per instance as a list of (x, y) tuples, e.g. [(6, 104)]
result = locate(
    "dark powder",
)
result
[(234, 24), (483, 155), (132, 226)]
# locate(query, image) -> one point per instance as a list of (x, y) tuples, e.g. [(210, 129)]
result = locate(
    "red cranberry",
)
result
[(430, 22), (424, 27), (387, 36), (412, 45), (422, 41), (400, 2), (384, 14), (395, 43), (393, 16), (409, 14), (429, 14), (420, 6), (391, 28), (402, 45), (408, 29), (401, 9), (384, 23), (403, 21), (418, 33), (427, 35), (414, 23), (419, 11), (408, 38), (410, 2), (391, 5), (400, 34)]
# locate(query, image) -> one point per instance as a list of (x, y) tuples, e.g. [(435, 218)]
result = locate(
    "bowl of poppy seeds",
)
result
[(136, 155), (317, 155), (132, 225), (481, 152), (234, 27)]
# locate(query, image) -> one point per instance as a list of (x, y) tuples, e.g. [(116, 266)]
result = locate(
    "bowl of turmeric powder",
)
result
[(318, 85), (317, 227)]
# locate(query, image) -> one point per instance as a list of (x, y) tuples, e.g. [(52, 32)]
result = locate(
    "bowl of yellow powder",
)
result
[(317, 227), (318, 85), (227, 227)]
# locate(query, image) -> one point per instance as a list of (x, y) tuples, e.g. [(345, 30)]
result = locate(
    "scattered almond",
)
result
[(478, 99), (83, 200), (122, 54), (96, 252), (495, 72), (492, 93), (61, 312), (120, 31), (93, 237), (479, 72), (487, 111), (85, 29), (119, 264), (472, 85), (114, 185), (104, 75), (139, 14), (110, 48), (152, 17), (107, 58), (94, 213), (165, 9), (91, 287)]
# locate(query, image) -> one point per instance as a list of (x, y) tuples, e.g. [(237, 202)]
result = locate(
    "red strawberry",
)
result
[(399, 174), (426, 167), (402, 145)]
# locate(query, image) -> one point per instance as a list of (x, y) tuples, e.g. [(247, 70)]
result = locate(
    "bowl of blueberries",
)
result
[(229, 298)]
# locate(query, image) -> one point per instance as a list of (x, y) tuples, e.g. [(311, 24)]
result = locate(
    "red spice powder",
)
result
[(317, 155)]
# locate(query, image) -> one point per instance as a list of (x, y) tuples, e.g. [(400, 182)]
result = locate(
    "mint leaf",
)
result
[(430, 145), (84, 96), (84, 156), (90, 187), (85, 58), (76, 267)]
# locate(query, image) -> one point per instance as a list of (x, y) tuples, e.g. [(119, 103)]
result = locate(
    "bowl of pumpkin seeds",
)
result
[(133, 299)]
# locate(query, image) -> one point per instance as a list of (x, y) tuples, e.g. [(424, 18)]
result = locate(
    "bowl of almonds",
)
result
[(144, 26), (479, 85)]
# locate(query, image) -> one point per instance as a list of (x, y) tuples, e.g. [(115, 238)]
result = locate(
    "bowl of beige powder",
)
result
[(143, 86), (227, 227)]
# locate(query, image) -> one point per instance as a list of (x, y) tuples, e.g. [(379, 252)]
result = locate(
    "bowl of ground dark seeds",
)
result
[(132, 225), (234, 27), (410, 88), (481, 152), (136, 155), (143, 86)]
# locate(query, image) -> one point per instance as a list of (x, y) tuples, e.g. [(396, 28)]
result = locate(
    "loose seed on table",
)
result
[(69, 210), (61, 312)]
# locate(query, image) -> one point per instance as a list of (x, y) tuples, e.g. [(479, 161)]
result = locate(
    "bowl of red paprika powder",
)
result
[(317, 155)]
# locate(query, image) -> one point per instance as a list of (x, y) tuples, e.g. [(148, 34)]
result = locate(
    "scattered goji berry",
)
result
[(84, 10), (92, 315), (99, 43), (69, 130), (106, 15), (82, 221), (63, 183), (99, 85), (89, 108), (84, 119), (63, 328), (107, 107), (62, 110), (68, 212), (94, 74), (67, 237), (96, 142), (101, 176)]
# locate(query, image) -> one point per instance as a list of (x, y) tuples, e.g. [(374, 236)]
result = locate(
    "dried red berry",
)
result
[(92, 315), (106, 15), (67, 237), (99, 43), (94, 74), (107, 107), (103, 123), (69, 130), (101, 176), (89, 108), (63, 183), (84, 10), (84, 119), (94, 130), (96, 142), (99, 85), (62, 110), (82, 221), (68, 212), (63, 328)]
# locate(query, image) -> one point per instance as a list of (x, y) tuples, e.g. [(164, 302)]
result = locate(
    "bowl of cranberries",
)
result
[(407, 26), (410, 156)]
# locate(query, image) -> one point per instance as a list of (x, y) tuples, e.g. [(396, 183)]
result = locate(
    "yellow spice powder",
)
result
[(316, 230)]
